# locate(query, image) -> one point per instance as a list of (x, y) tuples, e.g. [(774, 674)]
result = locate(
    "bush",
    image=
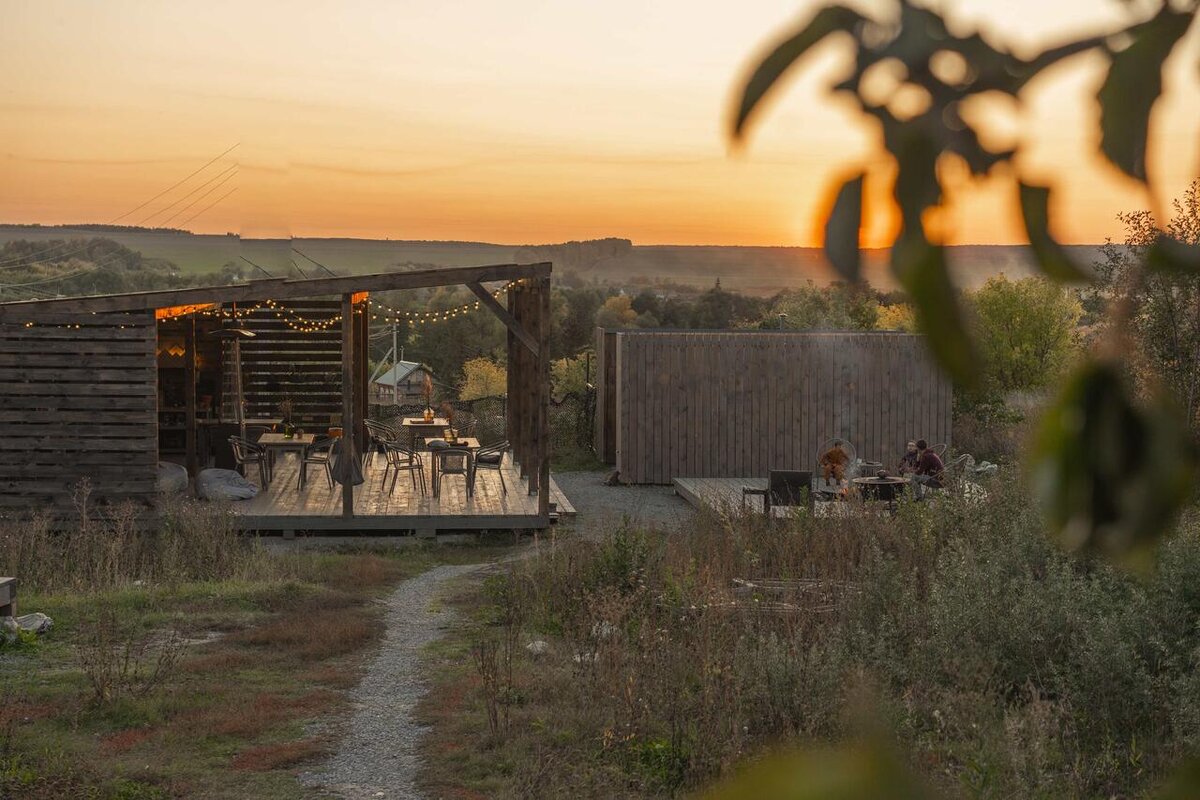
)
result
[(1006, 667)]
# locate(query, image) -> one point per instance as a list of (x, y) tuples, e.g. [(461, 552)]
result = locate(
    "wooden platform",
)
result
[(284, 508), (725, 495), (719, 493)]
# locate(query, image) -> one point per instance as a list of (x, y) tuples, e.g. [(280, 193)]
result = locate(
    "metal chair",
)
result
[(253, 434), (402, 458), (491, 457), (453, 461), (378, 434), (246, 453), (320, 452), (940, 450), (785, 487)]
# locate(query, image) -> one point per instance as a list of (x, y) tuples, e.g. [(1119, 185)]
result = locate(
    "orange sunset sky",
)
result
[(522, 121)]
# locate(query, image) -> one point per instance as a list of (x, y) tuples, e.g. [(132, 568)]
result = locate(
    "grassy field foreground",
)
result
[(653, 663), (205, 666)]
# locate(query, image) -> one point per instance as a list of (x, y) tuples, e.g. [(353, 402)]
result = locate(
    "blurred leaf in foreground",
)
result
[(842, 228), (857, 772), (1133, 84), (1051, 257), (1111, 472)]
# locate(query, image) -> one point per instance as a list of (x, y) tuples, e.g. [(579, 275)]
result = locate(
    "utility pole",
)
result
[(395, 368)]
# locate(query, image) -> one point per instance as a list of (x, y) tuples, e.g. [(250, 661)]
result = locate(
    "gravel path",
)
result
[(377, 758), (601, 508)]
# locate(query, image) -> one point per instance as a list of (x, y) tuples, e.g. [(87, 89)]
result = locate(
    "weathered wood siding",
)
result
[(738, 404), (78, 399), (605, 439)]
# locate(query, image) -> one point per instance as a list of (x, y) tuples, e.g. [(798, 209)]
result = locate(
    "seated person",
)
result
[(908, 461), (833, 463), (929, 466)]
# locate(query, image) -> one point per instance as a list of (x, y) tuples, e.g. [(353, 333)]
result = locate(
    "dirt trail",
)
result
[(378, 757)]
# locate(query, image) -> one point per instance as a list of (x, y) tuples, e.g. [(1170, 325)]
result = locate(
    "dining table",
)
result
[(418, 429), (275, 443)]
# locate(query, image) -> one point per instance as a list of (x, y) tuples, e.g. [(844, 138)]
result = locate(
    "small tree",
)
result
[(1163, 305), (1026, 332), (483, 377), (617, 312)]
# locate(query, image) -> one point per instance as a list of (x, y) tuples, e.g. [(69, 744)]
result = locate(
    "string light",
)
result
[(302, 324)]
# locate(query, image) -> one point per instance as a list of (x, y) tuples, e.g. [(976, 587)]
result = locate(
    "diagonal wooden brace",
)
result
[(500, 311)]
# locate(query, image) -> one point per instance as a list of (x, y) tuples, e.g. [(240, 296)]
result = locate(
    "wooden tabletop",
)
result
[(467, 442), (440, 422), (279, 440)]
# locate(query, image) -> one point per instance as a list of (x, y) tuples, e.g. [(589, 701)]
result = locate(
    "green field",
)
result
[(754, 270)]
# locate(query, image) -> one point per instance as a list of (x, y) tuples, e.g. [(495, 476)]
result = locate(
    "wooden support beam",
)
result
[(189, 395), (348, 424), (275, 289), (514, 327), (543, 408)]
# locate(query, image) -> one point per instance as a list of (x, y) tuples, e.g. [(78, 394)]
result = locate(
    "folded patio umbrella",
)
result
[(346, 468)]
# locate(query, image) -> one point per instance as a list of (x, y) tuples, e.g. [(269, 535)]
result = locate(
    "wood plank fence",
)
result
[(738, 404), (78, 399)]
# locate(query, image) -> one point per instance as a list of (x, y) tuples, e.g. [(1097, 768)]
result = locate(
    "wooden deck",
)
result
[(283, 508), (725, 495)]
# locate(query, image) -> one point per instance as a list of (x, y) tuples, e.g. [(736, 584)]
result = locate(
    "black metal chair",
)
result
[(245, 453), (378, 434), (320, 452), (785, 487), (491, 457), (253, 434), (453, 461), (402, 458)]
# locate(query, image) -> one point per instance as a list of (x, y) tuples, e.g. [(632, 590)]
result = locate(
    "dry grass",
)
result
[(314, 635), (278, 755)]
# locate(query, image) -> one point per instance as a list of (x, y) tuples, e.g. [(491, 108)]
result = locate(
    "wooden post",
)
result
[(348, 425), (189, 390), (543, 382)]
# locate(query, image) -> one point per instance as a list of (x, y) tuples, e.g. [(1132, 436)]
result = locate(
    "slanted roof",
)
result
[(277, 289), (400, 372)]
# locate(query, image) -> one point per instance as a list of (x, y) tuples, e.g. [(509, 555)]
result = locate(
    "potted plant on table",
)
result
[(427, 392), (285, 410), (448, 413)]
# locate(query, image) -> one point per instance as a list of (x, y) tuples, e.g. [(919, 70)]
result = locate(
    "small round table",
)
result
[(880, 488)]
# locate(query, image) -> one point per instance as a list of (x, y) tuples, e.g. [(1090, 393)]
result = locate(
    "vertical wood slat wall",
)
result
[(305, 365), (78, 399), (723, 404)]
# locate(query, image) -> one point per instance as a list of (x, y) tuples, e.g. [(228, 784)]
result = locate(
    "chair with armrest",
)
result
[(453, 461), (492, 457), (320, 452), (402, 458), (245, 453)]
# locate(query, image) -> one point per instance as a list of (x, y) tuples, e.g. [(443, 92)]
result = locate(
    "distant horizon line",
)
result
[(83, 226)]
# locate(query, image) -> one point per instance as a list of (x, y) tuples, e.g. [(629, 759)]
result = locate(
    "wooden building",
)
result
[(737, 404), (103, 387)]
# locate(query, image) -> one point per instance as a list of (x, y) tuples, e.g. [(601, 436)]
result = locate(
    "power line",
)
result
[(174, 185), (318, 263), (256, 266), (198, 199), (207, 207), (20, 261), (186, 196)]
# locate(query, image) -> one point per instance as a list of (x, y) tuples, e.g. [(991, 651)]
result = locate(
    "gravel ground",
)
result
[(600, 508), (377, 758)]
